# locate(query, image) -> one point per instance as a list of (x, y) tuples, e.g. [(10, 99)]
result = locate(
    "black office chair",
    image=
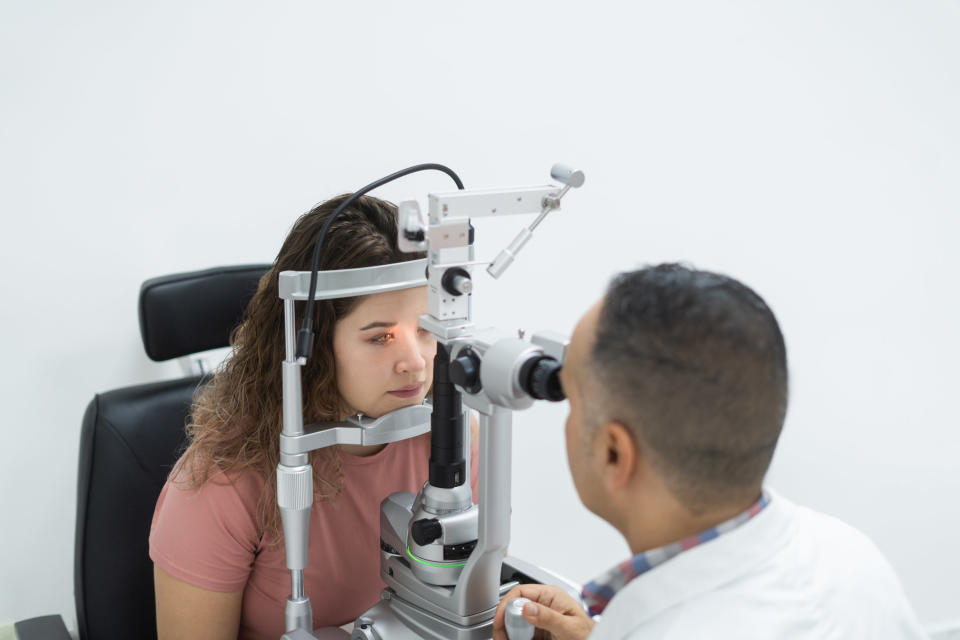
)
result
[(130, 440)]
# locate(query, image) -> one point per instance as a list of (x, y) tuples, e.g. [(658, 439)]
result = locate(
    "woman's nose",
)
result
[(411, 358)]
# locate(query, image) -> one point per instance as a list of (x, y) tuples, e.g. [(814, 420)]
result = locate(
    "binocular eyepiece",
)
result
[(540, 377)]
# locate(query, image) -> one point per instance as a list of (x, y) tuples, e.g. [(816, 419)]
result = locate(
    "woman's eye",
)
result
[(382, 339)]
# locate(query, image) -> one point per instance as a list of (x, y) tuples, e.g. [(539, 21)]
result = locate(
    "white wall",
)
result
[(811, 149)]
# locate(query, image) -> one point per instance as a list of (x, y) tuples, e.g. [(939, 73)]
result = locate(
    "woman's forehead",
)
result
[(395, 304)]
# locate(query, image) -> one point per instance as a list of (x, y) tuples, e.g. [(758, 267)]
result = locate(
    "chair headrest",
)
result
[(186, 313)]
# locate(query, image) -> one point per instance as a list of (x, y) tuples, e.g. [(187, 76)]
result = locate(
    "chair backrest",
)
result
[(131, 439)]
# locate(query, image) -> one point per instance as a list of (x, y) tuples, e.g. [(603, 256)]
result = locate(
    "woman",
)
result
[(216, 539)]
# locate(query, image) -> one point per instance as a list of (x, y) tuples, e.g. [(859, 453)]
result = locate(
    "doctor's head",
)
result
[(677, 381)]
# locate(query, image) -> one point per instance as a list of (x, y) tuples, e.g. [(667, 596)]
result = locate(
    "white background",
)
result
[(810, 149)]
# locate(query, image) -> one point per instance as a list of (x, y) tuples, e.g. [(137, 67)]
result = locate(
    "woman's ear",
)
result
[(619, 455)]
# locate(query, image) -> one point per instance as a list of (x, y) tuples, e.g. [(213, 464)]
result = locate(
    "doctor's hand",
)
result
[(555, 614)]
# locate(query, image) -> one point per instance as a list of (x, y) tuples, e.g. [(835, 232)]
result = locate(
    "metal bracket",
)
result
[(401, 424), (348, 283)]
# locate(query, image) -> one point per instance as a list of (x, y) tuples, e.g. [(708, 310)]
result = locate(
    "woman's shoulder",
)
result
[(213, 503), (213, 495), (210, 478), (206, 533)]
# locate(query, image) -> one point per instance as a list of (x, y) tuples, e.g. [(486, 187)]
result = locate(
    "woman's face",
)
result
[(384, 359)]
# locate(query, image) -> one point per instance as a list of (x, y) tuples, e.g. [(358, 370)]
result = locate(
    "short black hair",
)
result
[(695, 365)]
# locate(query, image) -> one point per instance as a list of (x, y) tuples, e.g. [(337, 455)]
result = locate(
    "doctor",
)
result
[(677, 381)]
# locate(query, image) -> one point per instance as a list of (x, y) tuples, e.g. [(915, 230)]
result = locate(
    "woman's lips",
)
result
[(407, 392)]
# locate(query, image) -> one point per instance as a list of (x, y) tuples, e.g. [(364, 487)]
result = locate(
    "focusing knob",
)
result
[(456, 281), (517, 626), (426, 531), (465, 371)]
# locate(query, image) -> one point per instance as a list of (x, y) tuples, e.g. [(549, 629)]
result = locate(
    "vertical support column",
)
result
[(479, 586), (294, 484)]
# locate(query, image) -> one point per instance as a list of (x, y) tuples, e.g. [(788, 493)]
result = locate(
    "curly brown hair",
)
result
[(236, 419)]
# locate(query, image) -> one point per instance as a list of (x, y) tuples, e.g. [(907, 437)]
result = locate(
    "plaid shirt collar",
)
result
[(598, 593)]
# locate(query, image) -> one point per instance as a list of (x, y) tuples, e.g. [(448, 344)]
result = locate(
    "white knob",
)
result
[(517, 627), (567, 175)]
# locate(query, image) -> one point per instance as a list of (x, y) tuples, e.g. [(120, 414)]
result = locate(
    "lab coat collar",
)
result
[(701, 569)]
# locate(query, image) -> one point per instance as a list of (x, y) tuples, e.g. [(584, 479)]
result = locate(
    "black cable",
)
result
[(305, 335)]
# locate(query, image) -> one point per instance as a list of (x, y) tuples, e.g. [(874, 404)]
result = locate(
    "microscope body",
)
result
[(450, 586), (442, 557)]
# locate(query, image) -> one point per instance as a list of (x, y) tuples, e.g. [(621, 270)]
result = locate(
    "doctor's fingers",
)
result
[(549, 596), (570, 625), (529, 591)]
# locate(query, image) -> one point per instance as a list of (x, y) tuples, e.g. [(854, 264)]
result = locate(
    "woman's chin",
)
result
[(392, 403)]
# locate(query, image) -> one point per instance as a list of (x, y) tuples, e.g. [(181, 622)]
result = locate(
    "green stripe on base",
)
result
[(434, 564)]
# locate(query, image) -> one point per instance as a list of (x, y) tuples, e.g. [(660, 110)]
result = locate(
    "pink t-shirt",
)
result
[(211, 538)]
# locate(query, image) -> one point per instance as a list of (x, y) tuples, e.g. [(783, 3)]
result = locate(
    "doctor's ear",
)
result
[(619, 455)]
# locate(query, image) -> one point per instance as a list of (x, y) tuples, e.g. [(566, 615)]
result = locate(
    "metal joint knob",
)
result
[(426, 531)]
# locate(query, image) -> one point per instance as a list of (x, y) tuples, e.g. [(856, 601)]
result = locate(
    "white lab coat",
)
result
[(789, 572)]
